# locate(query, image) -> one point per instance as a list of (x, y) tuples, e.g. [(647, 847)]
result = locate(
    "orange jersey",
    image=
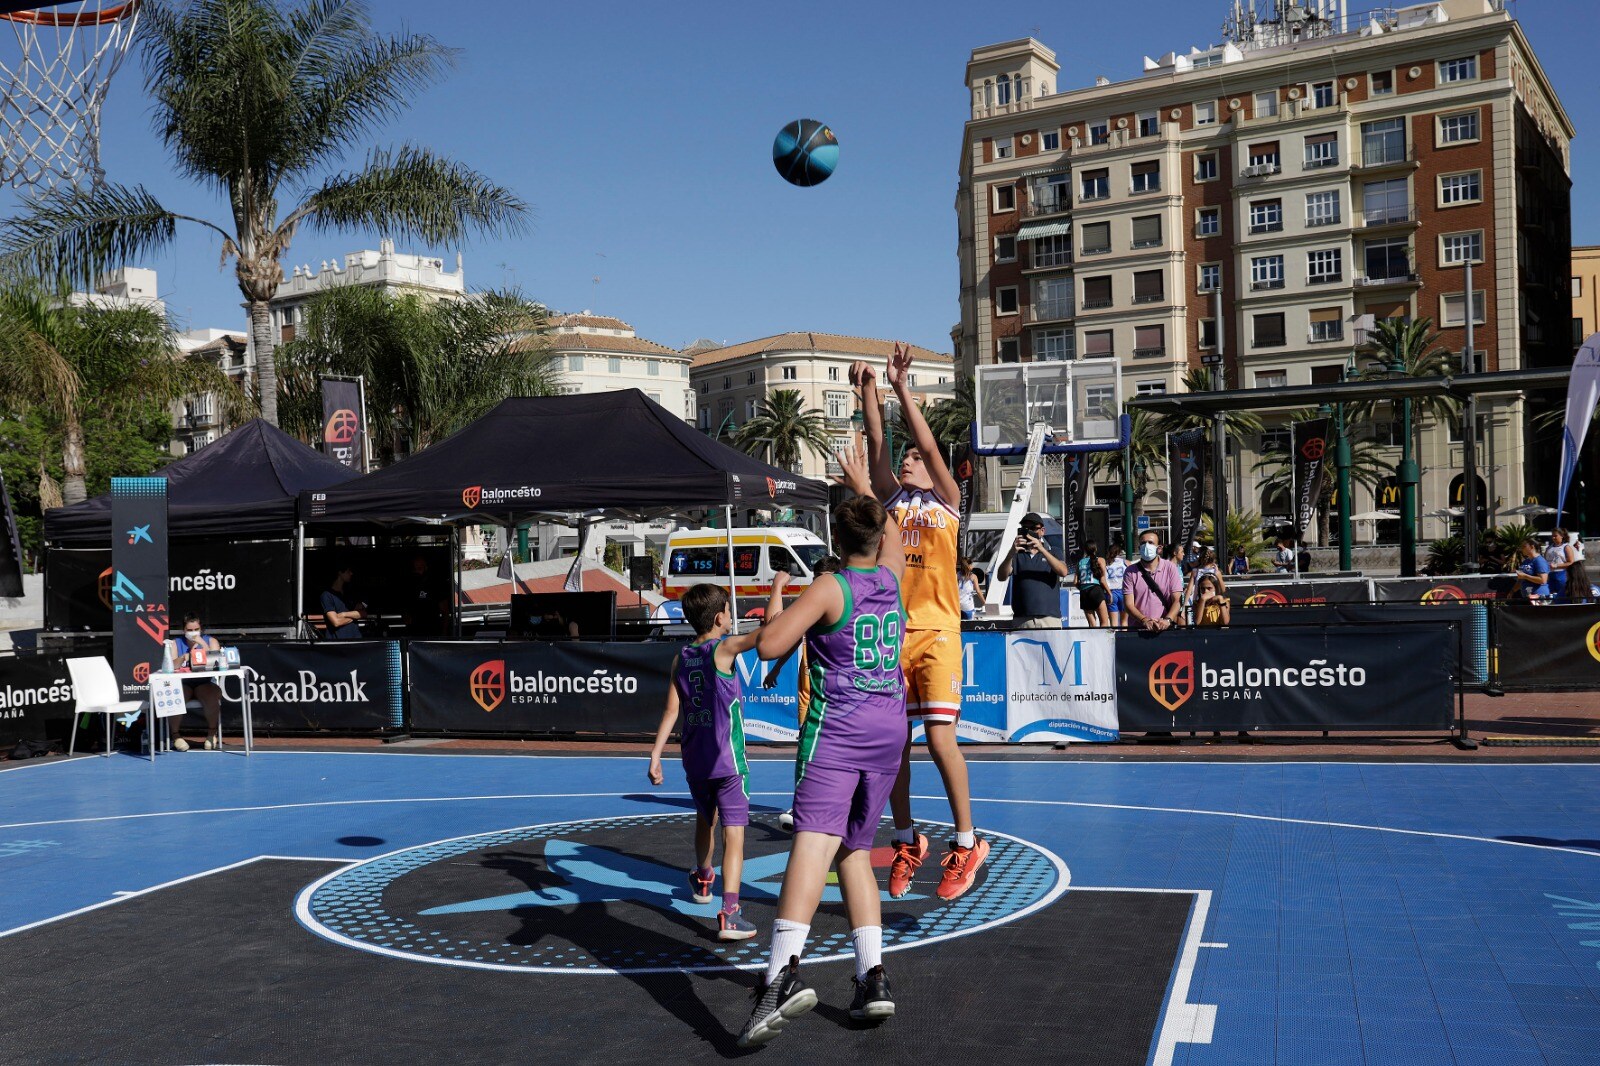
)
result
[(930, 531)]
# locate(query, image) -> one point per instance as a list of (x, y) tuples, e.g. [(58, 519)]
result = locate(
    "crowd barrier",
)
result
[(1539, 648)]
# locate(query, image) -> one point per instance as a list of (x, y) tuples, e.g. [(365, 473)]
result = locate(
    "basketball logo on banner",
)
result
[(488, 684), (343, 414), (1172, 680), (1310, 439)]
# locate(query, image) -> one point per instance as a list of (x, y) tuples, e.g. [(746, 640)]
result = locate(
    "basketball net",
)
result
[(52, 88)]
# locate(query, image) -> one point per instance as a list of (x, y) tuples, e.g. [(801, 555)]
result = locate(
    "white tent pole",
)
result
[(299, 579), (733, 584)]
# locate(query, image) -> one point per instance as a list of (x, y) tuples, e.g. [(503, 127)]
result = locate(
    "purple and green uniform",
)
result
[(711, 735), (854, 734)]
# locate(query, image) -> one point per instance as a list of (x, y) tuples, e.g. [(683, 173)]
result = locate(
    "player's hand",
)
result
[(862, 374), (898, 371), (853, 470), (654, 773)]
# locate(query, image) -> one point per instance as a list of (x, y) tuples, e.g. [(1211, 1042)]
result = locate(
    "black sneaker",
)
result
[(777, 1004), (873, 1001)]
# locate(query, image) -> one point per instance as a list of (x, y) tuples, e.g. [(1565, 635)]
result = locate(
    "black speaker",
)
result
[(1097, 526), (641, 573)]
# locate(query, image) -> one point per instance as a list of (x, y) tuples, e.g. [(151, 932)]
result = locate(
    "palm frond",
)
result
[(76, 234), (413, 192)]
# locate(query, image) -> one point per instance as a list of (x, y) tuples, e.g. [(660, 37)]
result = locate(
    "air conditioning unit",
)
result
[(1259, 170)]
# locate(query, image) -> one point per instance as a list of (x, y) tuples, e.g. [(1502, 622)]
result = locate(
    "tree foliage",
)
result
[(784, 422)]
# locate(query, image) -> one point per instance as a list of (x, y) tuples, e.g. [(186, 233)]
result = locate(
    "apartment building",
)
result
[(397, 272), (598, 353), (731, 381), (197, 419), (1585, 293), (1318, 171)]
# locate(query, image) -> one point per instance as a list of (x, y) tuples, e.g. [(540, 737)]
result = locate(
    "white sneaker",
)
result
[(211, 745), (179, 744)]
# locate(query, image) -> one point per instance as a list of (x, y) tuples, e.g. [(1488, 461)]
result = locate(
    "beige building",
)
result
[(1319, 173), (598, 353), (1585, 293), (397, 272), (731, 381), (197, 419)]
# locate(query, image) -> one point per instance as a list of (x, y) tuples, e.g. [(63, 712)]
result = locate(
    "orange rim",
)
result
[(115, 13)]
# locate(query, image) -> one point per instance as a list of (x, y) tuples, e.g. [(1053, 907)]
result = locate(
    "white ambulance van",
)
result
[(700, 556)]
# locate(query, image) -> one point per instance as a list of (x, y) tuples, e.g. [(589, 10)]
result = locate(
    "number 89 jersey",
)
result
[(857, 717), (930, 532)]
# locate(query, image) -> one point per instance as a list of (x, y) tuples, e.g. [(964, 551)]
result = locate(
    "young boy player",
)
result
[(707, 693), (924, 500), (850, 750)]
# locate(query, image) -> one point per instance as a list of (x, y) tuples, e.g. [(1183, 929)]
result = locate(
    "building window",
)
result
[(1147, 231), (727, 381), (1149, 342), (1100, 132), (1454, 70), (1052, 344), (652, 367), (1004, 148), (750, 407), (833, 373), (1005, 197), (614, 365), (1005, 300), (1322, 94), (1005, 248), (1324, 266), (1208, 223), (575, 363), (1151, 388), (1096, 238), (1322, 208), (655, 397), (1383, 142), (838, 405), (1052, 251), (750, 377), (1452, 307), (1094, 185), (1205, 166), (1273, 441), (1050, 141), (1006, 349), (791, 373), (705, 419), (1327, 324), (1273, 379), (1460, 188), (1050, 194), (1383, 202), (1096, 292), (1210, 277), (1322, 150), (1266, 272), (1149, 123), (1458, 248), (1266, 104), (1387, 259), (1052, 298), (1097, 344), (1382, 82), (1328, 373), (1003, 90), (1148, 287), (1208, 333), (1459, 128), (1264, 157), (1266, 216), (1577, 288), (1205, 113)]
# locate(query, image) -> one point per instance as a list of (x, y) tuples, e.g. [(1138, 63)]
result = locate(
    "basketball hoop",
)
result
[(52, 88)]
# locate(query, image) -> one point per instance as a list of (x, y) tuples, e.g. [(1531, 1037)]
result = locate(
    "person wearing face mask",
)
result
[(182, 652), (1152, 588)]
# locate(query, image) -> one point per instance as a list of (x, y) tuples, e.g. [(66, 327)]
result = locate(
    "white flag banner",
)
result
[(1583, 392)]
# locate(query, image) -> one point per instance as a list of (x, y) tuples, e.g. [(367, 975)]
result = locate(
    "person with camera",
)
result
[(1035, 595)]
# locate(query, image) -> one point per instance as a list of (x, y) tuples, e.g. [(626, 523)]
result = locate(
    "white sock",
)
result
[(788, 940), (907, 835), (869, 947), (967, 839)]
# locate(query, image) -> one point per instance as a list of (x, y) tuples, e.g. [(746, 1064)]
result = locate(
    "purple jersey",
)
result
[(857, 717), (710, 715)]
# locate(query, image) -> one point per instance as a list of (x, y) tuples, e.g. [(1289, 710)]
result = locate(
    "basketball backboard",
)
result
[(1080, 401)]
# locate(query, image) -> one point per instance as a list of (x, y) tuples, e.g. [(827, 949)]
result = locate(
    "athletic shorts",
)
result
[(1116, 602), (725, 798), (931, 659), (847, 804), (1090, 598)]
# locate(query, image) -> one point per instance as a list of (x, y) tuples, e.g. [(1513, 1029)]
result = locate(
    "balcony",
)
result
[(1051, 311), (1324, 336), (1269, 283), (1320, 162), (1094, 196), (1401, 215), (1333, 278), (1149, 353), (1038, 207), (1047, 260), (1154, 242), (1261, 170), (1322, 220), (1139, 188), (1095, 305), (1386, 280), (1383, 156), (1149, 298), (1266, 227)]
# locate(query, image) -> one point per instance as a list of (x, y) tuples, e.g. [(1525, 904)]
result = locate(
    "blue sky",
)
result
[(640, 134)]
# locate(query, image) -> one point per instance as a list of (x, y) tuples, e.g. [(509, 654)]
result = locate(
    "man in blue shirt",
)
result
[(1035, 599), (339, 614)]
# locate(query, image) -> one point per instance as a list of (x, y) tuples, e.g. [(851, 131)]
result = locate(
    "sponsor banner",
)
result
[(346, 684), (1543, 647), (964, 469), (771, 697), (140, 615), (1186, 478), (1463, 588), (10, 547), (1377, 677), (1583, 394), (1075, 475), (344, 415), (538, 687), (36, 701), (1288, 593), (226, 583), (1309, 441), (1061, 685)]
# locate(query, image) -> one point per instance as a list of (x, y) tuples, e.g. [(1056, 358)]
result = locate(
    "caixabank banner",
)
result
[(1370, 677), (354, 684)]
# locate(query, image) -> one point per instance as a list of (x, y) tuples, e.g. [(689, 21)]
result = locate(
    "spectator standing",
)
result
[(1532, 574), (1091, 587), (1240, 564), (1560, 556), (1211, 606), (1283, 559), (1115, 569), (1035, 599), (968, 588), (1152, 588)]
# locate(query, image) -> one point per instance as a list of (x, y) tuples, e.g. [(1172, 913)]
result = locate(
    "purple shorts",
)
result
[(847, 804), (723, 797)]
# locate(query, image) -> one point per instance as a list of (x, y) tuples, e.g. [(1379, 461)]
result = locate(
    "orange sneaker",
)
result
[(907, 857), (961, 867)]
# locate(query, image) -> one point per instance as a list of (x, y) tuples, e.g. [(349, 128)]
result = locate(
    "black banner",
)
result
[(10, 547), (138, 592), (343, 684), (1186, 481), (35, 698), (964, 470), (1075, 473), (1308, 441), (344, 422), (1287, 593), (1375, 677), (537, 687), (1542, 647), (1461, 588), (226, 583)]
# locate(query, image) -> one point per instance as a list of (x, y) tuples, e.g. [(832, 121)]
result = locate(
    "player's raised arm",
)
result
[(880, 465), (735, 645), (899, 376), (822, 601)]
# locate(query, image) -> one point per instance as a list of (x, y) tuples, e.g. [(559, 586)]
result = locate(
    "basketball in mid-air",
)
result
[(805, 152)]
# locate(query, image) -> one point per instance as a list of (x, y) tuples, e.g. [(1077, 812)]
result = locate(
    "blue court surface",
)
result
[(1324, 913)]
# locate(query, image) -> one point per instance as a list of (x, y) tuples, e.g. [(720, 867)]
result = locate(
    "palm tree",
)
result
[(57, 357), (256, 103), (1236, 424), (1413, 348), (1243, 528), (1146, 442), (1369, 466), (784, 422), (431, 366)]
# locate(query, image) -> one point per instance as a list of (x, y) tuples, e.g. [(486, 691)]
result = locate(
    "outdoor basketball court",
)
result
[(391, 907)]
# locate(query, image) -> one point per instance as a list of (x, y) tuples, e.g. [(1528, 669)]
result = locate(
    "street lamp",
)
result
[(1408, 480)]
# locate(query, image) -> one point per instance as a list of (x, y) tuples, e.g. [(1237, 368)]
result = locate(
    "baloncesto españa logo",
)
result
[(1177, 678), (493, 683), (474, 495), (342, 427)]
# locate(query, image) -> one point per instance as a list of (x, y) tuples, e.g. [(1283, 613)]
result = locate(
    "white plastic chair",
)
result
[(95, 687)]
